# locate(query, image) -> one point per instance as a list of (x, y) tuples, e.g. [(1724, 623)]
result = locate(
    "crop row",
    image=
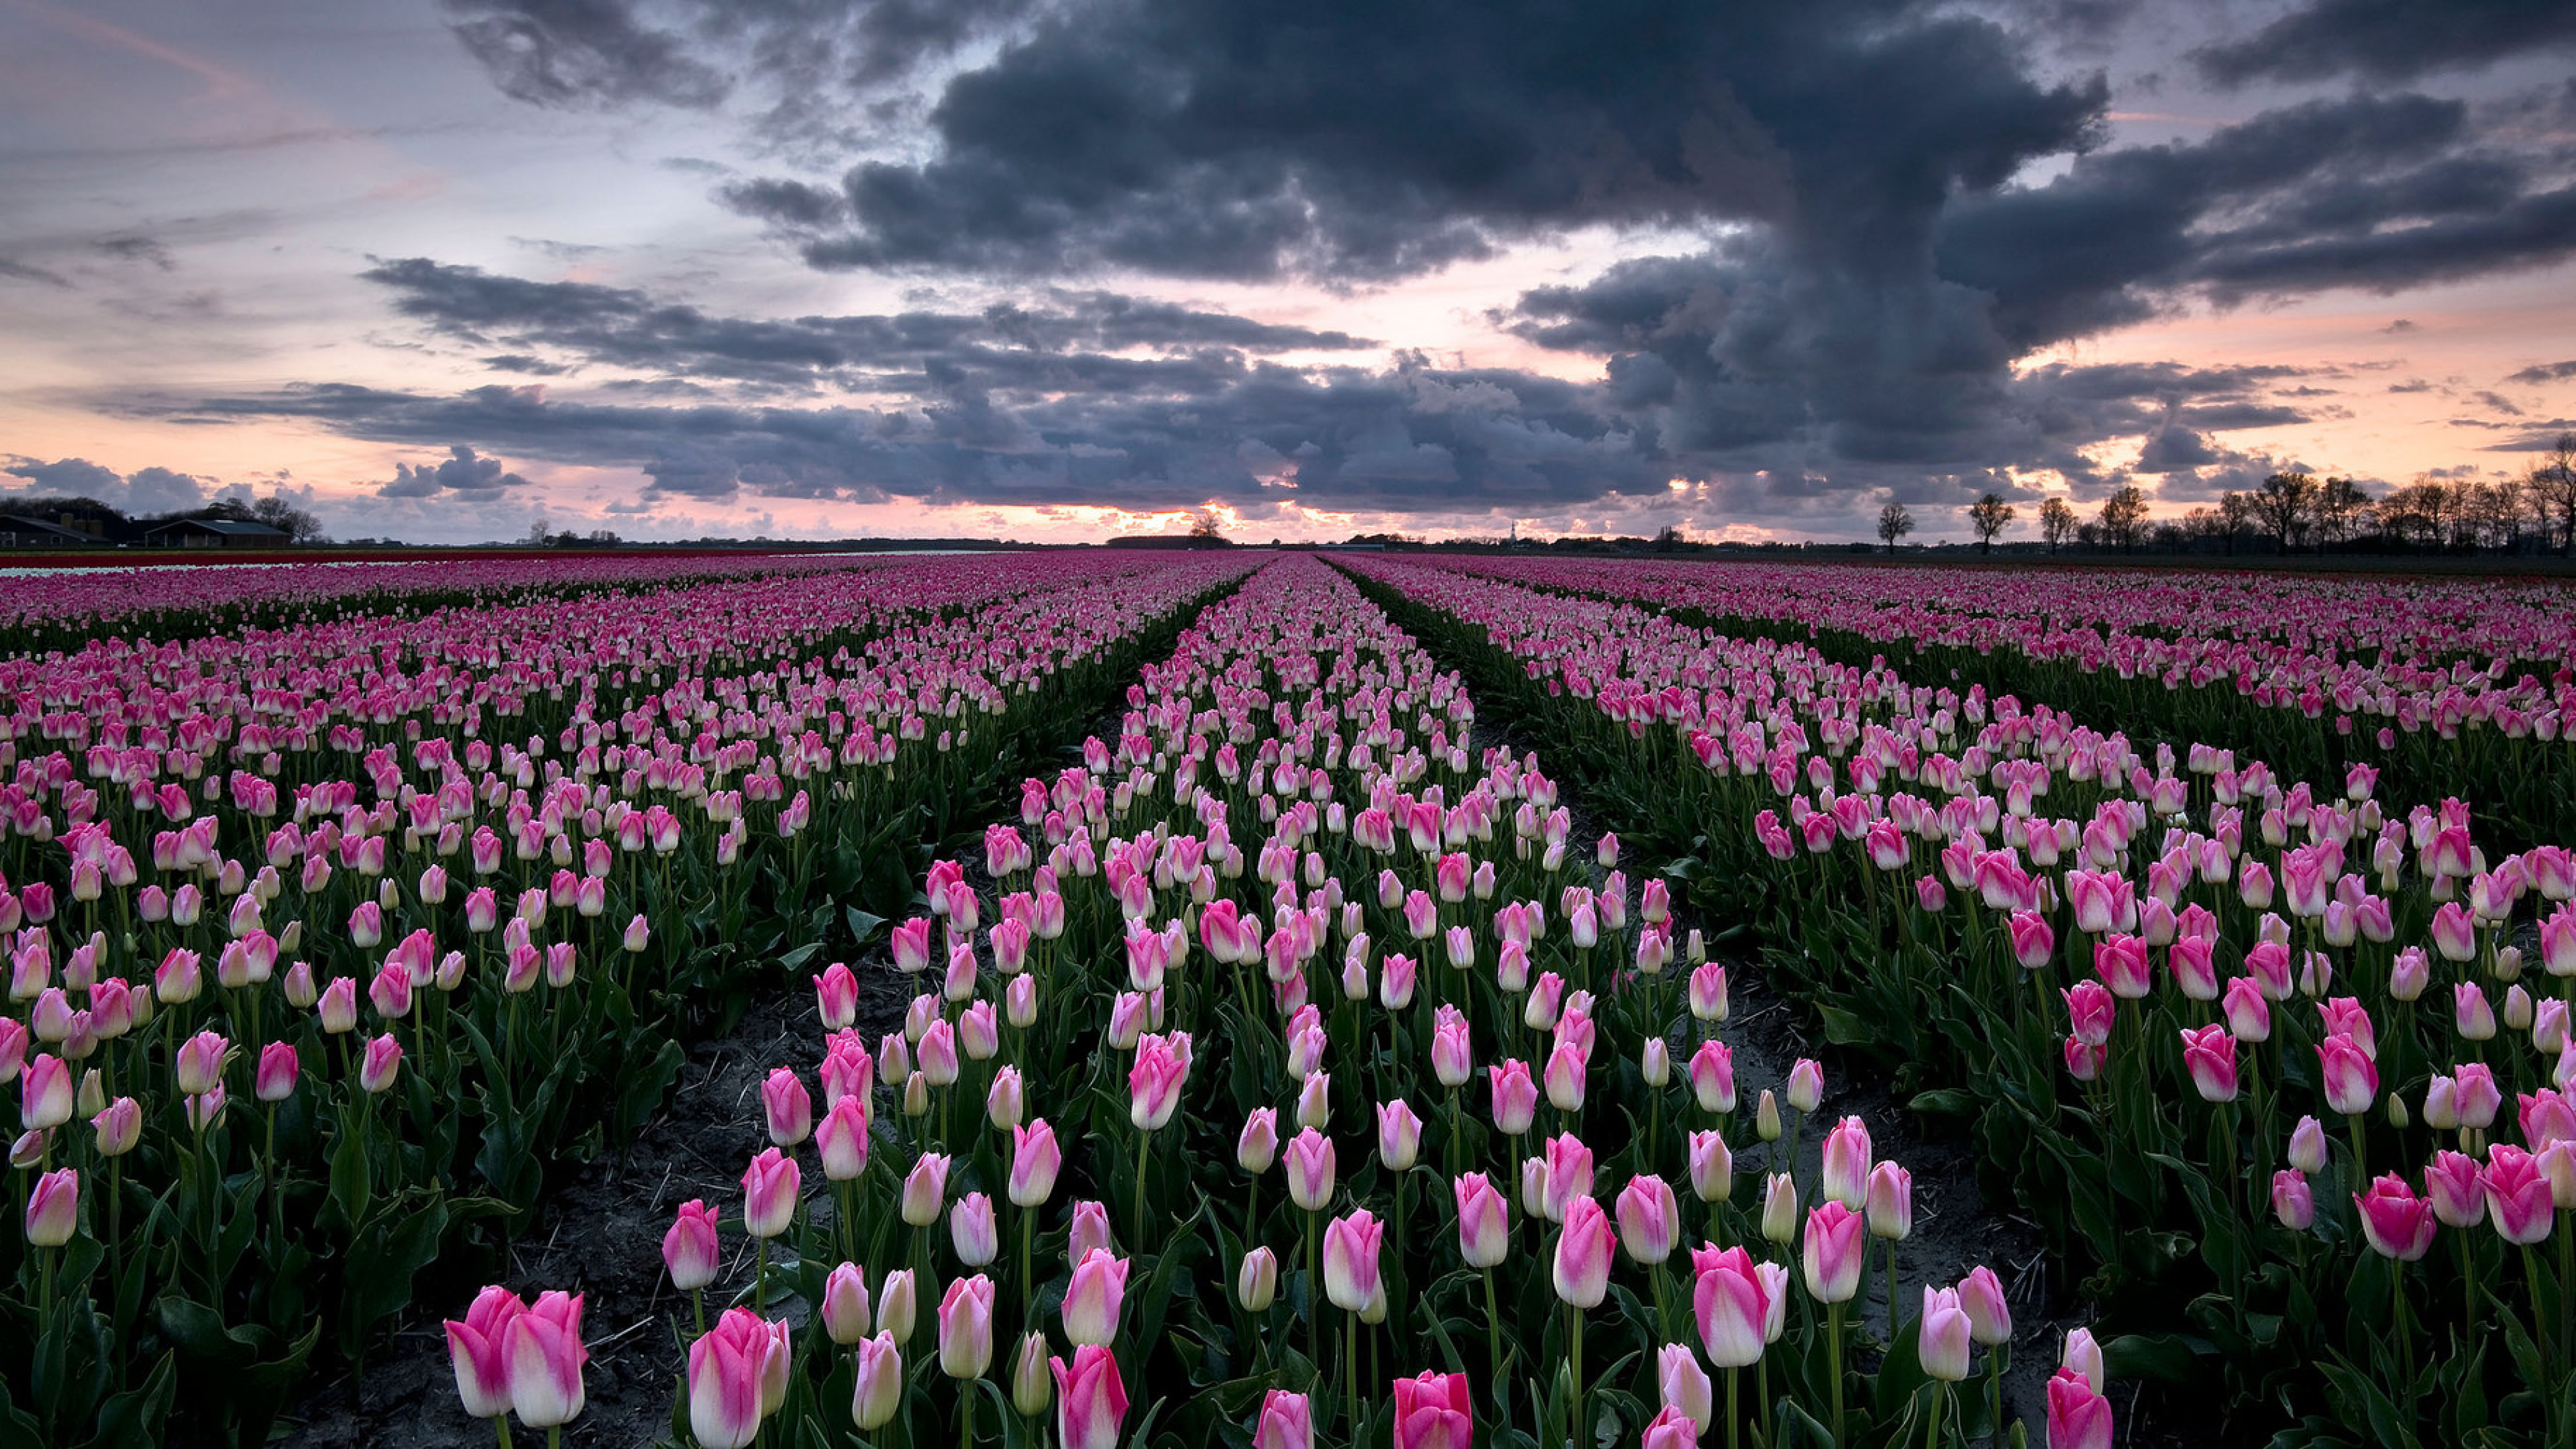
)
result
[(1289, 1072), (2179, 1002), (2441, 687), (328, 944)]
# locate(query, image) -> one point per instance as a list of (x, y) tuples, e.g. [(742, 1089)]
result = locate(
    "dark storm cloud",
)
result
[(1220, 138), (2390, 39), (2382, 192), (557, 52), (1874, 277), (1408, 438), (629, 328)]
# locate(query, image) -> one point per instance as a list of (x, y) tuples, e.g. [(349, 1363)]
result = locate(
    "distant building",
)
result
[(18, 530), (214, 533)]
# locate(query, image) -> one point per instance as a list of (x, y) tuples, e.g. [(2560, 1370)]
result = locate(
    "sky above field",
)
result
[(441, 268)]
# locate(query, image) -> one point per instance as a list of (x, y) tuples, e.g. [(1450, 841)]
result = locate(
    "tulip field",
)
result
[(1270, 1001)]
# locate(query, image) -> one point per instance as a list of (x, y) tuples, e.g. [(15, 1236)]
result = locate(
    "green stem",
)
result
[(1494, 1338), (1351, 1373), (966, 1414), (501, 1423), (1734, 1415), (1143, 1141), (1834, 1355), (1574, 1357), (1940, 1411)]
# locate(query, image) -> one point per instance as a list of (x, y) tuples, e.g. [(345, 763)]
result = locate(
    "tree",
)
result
[(1894, 523), (2284, 504), (2237, 510), (1990, 515), (2124, 518), (2342, 508), (298, 524), (2056, 522), (2552, 484), (1204, 530)]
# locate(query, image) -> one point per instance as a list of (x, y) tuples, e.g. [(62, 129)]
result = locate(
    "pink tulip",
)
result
[(118, 1127), (2351, 1080), (2078, 1417), (1090, 1231), (1708, 995), (1432, 1412), (2518, 1193), (1671, 1428), (1649, 1219), (1712, 1076), (45, 1094), (2249, 1015), (769, 1187), (1583, 1248), (1944, 1331), (1831, 1252), (1565, 1077), (1684, 1385), (1711, 1167), (2032, 941), (1484, 1221), (2293, 1202), (1847, 1162), (972, 1232), (1091, 1402), (689, 1249), (1093, 1296), (842, 1139), (1287, 1422), (1351, 1246), (545, 1356), (278, 1065), (2209, 1054), (847, 1313), (2398, 1224), (966, 1328), (1452, 1050), (1568, 1166), (1035, 1161), (879, 1391), (1981, 1297), (1257, 1146), (790, 1108), (1890, 1207), (1154, 1082), (1310, 1170), (1515, 1097), (1732, 1303), (1806, 1084), (727, 1366), (383, 1059), (478, 1351)]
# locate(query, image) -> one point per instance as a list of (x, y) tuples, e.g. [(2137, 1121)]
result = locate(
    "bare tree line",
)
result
[(2295, 512)]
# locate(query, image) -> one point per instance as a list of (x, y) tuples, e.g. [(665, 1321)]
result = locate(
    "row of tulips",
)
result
[(2147, 1030), (2449, 686), (70, 607), (282, 1042), (1292, 988)]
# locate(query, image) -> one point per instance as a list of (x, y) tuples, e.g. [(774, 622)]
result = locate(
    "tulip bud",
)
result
[(846, 1313), (1032, 1388), (895, 1306), (880, 1377), (1256, 1282), (1780, 1209), (1766, 1117)]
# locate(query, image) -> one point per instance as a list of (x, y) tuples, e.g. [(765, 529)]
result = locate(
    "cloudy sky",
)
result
[(1059, 268)]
